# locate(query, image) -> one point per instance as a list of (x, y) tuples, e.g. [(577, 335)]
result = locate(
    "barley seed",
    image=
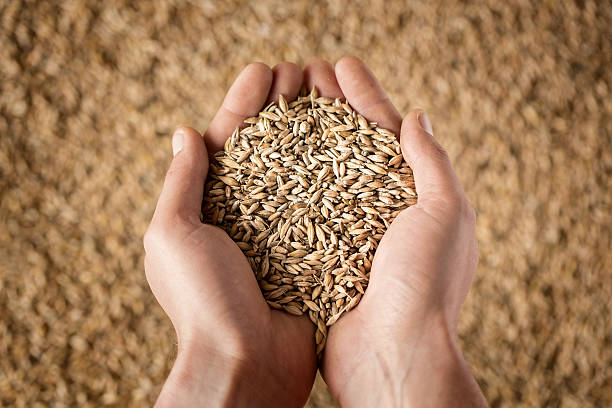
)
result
[(307, 190)]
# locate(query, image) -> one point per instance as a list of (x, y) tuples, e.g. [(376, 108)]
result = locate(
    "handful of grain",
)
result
[(306, 191)]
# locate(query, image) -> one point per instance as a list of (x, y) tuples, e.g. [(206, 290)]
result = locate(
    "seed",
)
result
[(294, 310), (306, 190), (395, 160), (282, 104), (312, 305)]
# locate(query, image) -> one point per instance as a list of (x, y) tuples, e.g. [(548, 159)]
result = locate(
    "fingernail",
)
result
[(177, 141), (425, 123)]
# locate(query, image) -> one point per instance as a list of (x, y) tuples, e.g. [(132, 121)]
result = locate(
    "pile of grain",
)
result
[(90, 91), (307, 191)]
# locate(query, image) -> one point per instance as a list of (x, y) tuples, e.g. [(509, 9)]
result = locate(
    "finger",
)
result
[(433, 174), (320, 73), (365, 94), (287, 81), (181, 196), (245, 98)]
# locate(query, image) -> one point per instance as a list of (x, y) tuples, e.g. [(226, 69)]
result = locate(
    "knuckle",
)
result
[(153, 237), (177, 169), (462, 209), (468, 212), (467, 215), (164, 232), (455, 208), (438, 153), (147, 267)]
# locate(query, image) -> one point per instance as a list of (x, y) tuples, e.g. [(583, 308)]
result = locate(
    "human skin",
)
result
[(397, 347), (233, 350)]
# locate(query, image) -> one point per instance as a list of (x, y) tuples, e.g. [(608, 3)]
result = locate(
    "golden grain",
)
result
[(306, 191)]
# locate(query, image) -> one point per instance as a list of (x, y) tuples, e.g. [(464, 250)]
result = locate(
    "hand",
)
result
[(398, 346), (233, 350)]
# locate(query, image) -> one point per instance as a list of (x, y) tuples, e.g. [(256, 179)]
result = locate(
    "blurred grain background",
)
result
[(518, 92)]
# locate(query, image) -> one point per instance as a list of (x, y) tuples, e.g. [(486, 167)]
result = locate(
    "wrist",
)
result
[(202, 376), (226, 373), (421, 368)]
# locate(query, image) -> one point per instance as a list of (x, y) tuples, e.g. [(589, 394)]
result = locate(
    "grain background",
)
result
[(518, 92)]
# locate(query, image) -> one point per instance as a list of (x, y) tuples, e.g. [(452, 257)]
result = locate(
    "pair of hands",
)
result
[(398, 346)]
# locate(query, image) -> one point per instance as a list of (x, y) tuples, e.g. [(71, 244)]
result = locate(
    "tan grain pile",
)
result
[(518, 93), (307, 192)]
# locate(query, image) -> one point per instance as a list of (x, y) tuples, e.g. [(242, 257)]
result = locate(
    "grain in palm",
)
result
[(307, 190)]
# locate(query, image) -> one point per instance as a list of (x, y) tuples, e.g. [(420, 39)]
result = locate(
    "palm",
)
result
[(229, 292), (399, 288), (406, 265), (407, 281), (202, 279)]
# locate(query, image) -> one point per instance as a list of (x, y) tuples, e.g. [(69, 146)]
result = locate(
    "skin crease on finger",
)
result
[(398, 346)]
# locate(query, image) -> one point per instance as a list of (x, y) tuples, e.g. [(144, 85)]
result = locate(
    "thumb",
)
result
[(183, 188), (433, 174)]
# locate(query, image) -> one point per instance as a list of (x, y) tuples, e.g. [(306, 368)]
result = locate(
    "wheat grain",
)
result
[(306, 190)]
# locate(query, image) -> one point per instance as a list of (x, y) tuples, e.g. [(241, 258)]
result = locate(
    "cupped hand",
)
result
[(233, 350), (398, 346)]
